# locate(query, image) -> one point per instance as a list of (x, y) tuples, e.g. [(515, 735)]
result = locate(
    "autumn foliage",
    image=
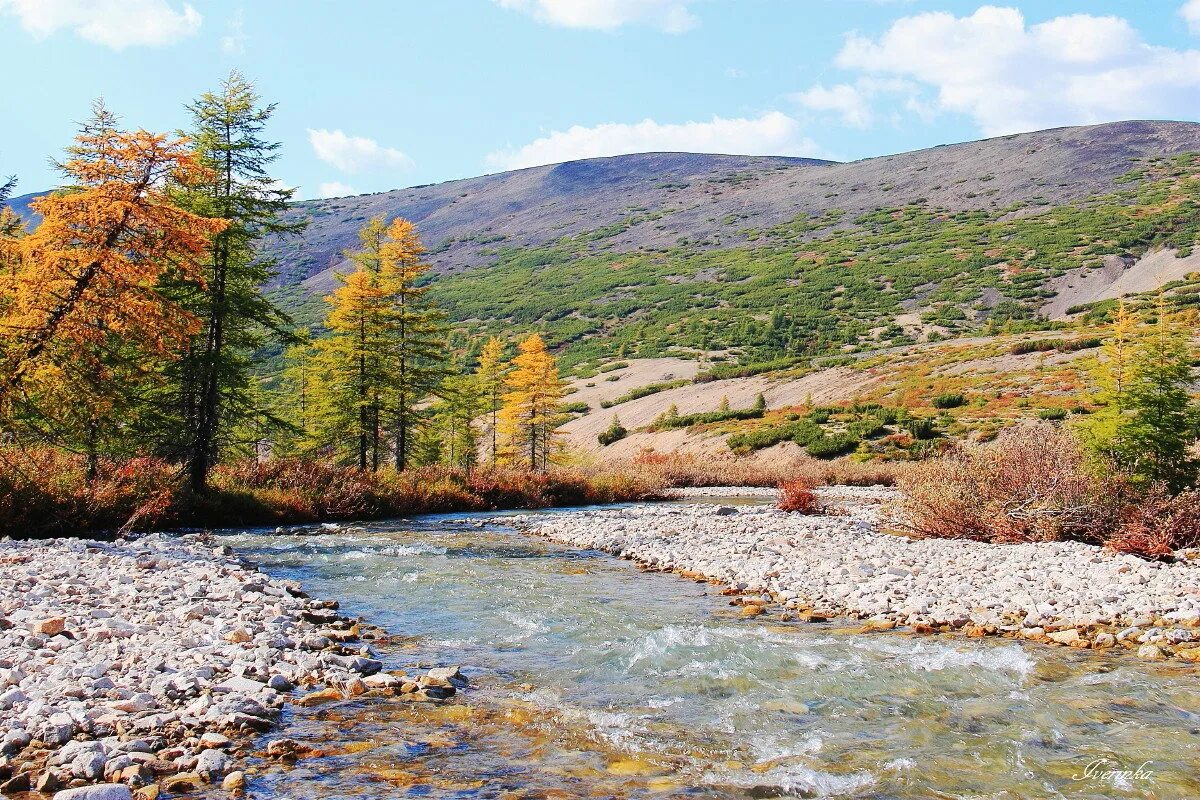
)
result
[(89, 272), (46, 492), (530, 413), (798, 496), (1036, 483)]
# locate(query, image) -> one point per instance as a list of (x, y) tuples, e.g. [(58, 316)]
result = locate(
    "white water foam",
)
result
[(936, 657)]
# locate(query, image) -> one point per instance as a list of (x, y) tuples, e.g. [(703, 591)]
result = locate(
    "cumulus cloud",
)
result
[(671, 16), (848, 101), (1008, 76), (1191, 12), (113, 23), (335, 189), (773, 133), (354, 153)]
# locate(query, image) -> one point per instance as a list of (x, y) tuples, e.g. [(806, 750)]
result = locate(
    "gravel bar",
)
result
[(133, 667), (844, 564)]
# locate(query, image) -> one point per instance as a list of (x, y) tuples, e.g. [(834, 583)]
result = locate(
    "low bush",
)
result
[(922, 428), (1061, 345), (668, 421), (1033, 483), (1033, 346), (45, 493), (643, 391), (832, 445), (1159, 524), (800, 431), (948, 400), (797, 495), (614, 433), (723, 371)]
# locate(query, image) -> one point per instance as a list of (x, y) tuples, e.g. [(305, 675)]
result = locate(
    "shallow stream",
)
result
[(591, 678)]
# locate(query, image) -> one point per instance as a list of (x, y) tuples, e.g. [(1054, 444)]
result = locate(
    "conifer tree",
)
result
[(455, 414), (1155, 442), (490, 378), (531, 411), (417, 334), (1148, 423), (85, 303), (295, 399), (214, 379), (355, 357)]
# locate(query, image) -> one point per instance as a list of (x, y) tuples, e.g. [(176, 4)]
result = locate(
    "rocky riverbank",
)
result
[(131, 668), (844, 564)]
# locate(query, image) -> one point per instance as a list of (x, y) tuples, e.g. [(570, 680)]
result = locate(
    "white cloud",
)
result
[(1190, 11), (234, 41), (354, 153), (1008, 76), (846, 100), (774, 133), (671, 16), (335, 189), (113, 23)]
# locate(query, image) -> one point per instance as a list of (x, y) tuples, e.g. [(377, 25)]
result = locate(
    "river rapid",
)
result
[(591, 678)]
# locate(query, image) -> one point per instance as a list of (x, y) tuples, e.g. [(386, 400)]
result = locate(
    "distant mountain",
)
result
[(464, 222)]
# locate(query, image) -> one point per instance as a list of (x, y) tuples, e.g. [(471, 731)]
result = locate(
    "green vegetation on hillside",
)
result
[(821, 284)]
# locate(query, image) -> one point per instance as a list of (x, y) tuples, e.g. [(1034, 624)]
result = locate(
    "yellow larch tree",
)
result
[(531, 414), (86, 323), (354, 357), (490, 380), (418, 348)]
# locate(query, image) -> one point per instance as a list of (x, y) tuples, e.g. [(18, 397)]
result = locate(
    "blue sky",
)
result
[(380, 94)]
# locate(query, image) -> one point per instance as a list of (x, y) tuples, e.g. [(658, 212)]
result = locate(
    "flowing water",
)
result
[(591, 678)]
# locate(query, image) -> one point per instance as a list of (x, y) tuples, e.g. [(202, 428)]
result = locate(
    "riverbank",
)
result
[(845, 565), (151, 664)]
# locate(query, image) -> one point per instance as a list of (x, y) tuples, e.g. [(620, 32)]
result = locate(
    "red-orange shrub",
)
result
[(1033, 483), (798, 496), (1158, 524)]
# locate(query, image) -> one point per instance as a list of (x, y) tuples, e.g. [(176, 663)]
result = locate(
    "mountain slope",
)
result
[(465, 222), (754, 260)]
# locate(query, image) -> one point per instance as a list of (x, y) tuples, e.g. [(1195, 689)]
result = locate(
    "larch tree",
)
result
[(455, 415), (85, 303), (355, 360), (214, 379), (531, 412), (1155, 440), (490, 377), (295, 399), (418, 335)]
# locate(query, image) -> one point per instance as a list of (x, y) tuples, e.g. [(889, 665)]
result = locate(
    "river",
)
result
[(591, 678)]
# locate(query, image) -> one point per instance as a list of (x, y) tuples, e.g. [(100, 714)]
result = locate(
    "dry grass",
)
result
[(45, 493), (676, 470)]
